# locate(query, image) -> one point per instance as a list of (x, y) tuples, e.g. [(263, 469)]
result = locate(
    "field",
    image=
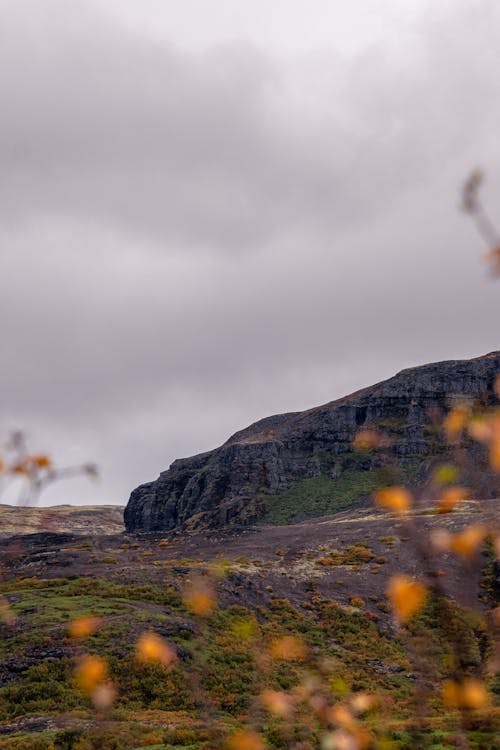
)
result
[(320, 582)]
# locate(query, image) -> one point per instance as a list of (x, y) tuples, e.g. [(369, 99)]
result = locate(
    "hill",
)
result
[(292, 466), (321, 581)]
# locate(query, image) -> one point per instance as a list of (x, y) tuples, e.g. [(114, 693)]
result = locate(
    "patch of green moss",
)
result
[(321, 495)]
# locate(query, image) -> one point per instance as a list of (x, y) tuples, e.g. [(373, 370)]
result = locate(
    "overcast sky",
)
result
[(216, 210)]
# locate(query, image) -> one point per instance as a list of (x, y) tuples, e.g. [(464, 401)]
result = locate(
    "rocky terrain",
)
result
[(323, 580), (290, 466), (75, 519)]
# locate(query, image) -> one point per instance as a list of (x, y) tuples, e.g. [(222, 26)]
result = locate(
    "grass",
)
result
[(219, 674), (321, 495)]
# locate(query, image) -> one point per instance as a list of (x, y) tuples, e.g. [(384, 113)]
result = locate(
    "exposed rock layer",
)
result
[(74, 519), (236, 482)]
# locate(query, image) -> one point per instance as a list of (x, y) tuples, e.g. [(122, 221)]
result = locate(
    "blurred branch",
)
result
[(473, 206), (36, 470)]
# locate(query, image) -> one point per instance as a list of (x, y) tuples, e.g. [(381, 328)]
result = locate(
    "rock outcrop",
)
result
[(61, 519), (237, 482)]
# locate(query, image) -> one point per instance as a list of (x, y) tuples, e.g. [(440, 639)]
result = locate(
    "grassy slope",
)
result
[(321, 495), (213, 685), (317, 496)]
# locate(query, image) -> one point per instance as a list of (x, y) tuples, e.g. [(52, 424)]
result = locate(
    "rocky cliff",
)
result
[(296, 455)]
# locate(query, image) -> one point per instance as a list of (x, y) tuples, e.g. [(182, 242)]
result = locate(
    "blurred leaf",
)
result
[(407, 596), (396, 499), (152, 648)]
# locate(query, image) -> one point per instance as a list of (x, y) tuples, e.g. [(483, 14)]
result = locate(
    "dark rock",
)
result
[(183, 653), (382, 667), (179, 628), (235, 483), (496, 574)]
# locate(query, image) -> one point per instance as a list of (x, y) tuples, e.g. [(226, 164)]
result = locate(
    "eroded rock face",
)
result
[(235, 482)]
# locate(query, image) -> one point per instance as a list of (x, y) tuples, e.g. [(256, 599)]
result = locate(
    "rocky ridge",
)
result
[(74, 519), (238, 482)]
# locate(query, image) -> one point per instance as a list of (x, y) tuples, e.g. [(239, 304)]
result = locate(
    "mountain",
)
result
[(291, 466), (74, 519)]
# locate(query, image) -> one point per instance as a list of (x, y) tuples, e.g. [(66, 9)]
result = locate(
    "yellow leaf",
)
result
[(340, 714), (407, 596), (367, 440), (91, 672), (465, 543), (41, 460), (470, 694), (362, 702), (445, 474), (151, 648), (200, 598), (83, 627), (451, 497), (397, 499), (454, 422), (480, 429), (474, 694)]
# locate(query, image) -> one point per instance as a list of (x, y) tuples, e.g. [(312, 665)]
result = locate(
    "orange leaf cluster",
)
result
[(451, 497), (397, 499), (406, 595), (42, 461), (486, 429), (368, 440), (90, 672), (277, 702), (200, 598), (464, 544), (83, 627), (470, 694), (454, 423), (152, 648)]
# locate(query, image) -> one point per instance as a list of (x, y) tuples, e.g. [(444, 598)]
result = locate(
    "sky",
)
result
[(211, 212)]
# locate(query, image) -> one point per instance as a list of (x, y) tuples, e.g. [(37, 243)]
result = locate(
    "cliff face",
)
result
[(237, 482)]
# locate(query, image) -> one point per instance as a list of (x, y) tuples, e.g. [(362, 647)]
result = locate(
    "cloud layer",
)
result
[(191, 241)]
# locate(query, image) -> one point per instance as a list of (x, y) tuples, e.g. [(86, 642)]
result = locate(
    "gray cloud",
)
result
[(185, 246)]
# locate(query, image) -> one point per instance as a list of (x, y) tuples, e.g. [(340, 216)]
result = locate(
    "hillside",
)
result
[(75, 519), (292, 466), (321, 581)]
